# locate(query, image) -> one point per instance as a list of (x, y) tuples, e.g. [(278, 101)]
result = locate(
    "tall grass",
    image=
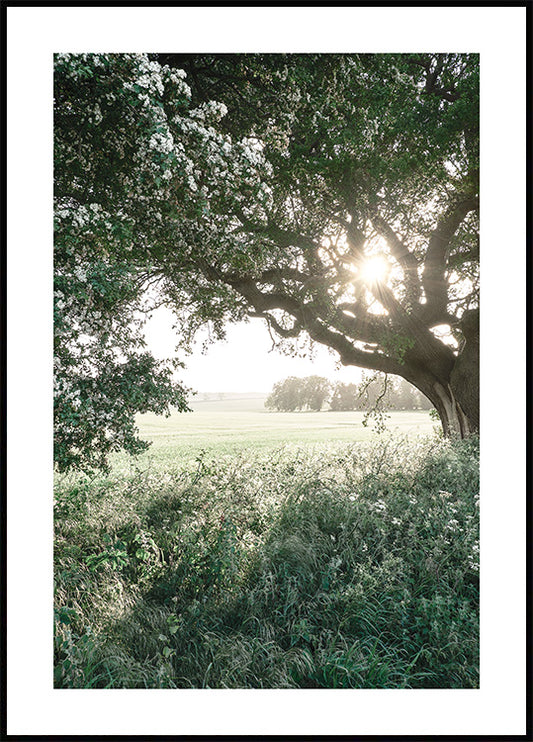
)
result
[(323, 567)]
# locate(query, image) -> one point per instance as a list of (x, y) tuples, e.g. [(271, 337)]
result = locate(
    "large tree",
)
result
[(369, 155), (333, 196)]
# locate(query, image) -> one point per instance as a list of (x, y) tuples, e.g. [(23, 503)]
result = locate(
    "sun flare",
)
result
[(374, 270)]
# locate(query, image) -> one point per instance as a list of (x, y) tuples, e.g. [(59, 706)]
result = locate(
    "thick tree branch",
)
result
[(402, 255), (349, 354), (306, 318), (339, 331), (435, 263), (275, 275), (285, 332), (282, 237)]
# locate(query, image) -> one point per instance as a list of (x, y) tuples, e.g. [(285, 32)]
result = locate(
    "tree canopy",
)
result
[(333, 196)]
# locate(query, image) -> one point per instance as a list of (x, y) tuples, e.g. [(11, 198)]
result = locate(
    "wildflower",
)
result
[(452, 525)]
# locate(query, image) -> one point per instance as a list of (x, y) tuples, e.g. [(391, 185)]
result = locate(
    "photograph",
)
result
[(238, 528), (266, 378)]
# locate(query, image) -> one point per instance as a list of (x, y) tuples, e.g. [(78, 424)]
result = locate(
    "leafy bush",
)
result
[(333, 567)]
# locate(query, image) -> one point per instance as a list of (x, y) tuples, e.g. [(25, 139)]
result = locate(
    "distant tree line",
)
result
[(294, 393), (378, 391)]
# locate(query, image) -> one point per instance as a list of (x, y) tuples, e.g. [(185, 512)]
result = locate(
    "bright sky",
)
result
[(245, 362)]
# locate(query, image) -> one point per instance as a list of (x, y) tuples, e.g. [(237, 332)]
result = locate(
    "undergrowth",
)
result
[(326, 567)]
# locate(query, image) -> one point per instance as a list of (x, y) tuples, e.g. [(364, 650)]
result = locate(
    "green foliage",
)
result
[(94, 412), (238, 186), (76, 664), (103, 375), (115, 556), (328, 567)]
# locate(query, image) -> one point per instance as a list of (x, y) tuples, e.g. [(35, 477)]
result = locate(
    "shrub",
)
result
[(327, 567)]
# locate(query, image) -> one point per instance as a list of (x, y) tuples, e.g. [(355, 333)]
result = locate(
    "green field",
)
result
[(236, 423)]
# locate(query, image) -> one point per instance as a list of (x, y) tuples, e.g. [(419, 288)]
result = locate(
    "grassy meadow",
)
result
[(252, 549), (241, 421)]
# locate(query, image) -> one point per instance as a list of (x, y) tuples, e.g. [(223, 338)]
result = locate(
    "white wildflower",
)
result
[(80, 274)]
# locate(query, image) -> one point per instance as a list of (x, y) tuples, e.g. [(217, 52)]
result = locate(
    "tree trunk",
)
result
[(455, 394), (464, 379), (454, 420)]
